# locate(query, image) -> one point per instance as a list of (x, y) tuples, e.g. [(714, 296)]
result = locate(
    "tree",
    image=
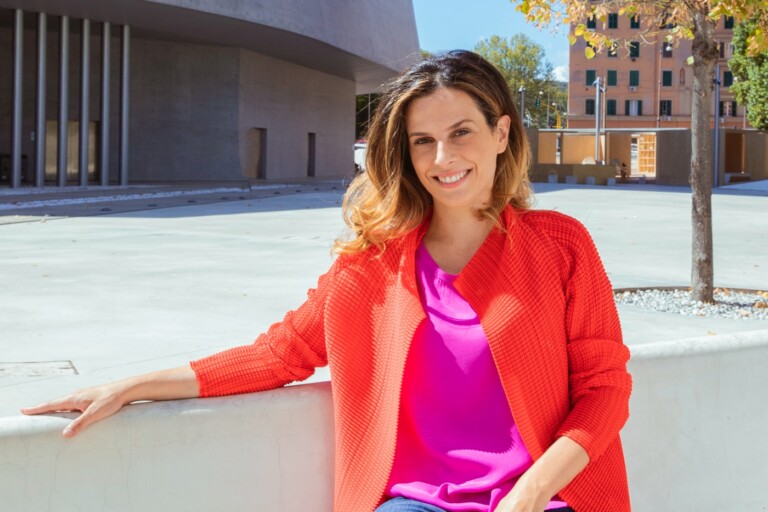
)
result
[(522, 62), (751, 88), (670, 21)]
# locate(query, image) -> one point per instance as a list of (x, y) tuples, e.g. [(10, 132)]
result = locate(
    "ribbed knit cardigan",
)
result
[(546, 306)]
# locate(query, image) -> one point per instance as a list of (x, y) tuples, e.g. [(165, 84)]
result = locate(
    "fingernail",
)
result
[(68, 431)]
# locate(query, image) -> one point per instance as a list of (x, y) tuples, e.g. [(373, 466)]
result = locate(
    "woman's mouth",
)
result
[(453, 178)]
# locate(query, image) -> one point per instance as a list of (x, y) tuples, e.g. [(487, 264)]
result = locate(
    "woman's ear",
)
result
[(502, 132)]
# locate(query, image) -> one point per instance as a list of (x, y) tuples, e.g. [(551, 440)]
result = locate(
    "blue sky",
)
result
[(452, 24)]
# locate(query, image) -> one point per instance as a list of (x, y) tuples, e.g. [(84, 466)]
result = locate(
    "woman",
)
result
[(475, 348)]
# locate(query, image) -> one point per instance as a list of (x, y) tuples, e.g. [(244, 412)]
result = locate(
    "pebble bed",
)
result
[(728, 303)]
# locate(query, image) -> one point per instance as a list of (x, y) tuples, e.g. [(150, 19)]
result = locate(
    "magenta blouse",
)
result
[(457, 446)]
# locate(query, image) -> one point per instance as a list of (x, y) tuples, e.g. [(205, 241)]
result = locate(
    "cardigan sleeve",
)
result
[(289, 351), (598, 379)]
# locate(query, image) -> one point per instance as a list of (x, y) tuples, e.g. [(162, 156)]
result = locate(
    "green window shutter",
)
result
[(626, 107), (610, 108), (727, 79), (591, 76), (666, 78), (592, 22), (634, 78), (589, 107), (612, 77), (613, 20), (640, 107), (734, 104), (634, 21), (634, 49)]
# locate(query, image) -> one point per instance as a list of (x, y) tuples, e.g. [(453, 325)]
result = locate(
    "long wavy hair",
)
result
[(387, 200)]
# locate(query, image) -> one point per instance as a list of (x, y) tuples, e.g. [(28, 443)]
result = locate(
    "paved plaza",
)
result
[(156, 280)]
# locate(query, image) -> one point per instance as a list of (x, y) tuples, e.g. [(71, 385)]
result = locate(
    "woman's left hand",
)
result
[(523, 498)]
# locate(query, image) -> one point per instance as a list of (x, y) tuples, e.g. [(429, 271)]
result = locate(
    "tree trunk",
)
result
[(705, 54)]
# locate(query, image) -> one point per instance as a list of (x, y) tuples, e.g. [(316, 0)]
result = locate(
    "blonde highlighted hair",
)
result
[(387, 200)]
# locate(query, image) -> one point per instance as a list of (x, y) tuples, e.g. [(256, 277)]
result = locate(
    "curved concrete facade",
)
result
[(220, 90)]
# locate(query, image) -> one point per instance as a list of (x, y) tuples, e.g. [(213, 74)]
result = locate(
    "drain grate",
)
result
[(37, 369)]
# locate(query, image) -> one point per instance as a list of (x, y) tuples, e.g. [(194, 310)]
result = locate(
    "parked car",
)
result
[(360, 148)]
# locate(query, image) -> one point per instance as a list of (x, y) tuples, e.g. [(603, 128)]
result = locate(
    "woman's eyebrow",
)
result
[(452, 127)]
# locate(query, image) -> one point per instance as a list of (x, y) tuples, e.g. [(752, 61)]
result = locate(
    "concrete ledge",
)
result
[(696, 435), (270, 451), (695, 441)]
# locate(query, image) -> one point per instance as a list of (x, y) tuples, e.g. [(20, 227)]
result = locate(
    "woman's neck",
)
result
[(453, 237)]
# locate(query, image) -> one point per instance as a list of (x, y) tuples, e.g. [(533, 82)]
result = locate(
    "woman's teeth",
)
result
[(452, 179)]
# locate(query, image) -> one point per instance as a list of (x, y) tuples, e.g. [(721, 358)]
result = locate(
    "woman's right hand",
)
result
[(94, 404), (100, 402)]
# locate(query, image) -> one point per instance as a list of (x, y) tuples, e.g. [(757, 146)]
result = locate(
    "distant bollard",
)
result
[(571, 180), (590, 180), (552, 178), (611, 182)]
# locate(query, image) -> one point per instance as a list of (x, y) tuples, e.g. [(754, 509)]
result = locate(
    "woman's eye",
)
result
[(423, 140), (461, 131)]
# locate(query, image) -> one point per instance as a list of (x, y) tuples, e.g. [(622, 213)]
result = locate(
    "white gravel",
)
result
[(728, 303)]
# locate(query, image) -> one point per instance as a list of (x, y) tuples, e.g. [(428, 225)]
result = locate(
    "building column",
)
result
[(18, 57), (104, 132), (40, 131), (85, 90), (124, 104), (61, 168)]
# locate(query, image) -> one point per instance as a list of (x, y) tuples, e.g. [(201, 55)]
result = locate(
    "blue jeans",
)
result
[(406, 505)]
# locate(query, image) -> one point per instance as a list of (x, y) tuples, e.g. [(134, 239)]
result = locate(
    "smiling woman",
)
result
[(475, 347)]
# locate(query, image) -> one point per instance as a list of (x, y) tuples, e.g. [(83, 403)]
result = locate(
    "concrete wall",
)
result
[(619, 149), (734, 152), (271, 451), (673, 157), (290, 101), (533, 141), (601, 173), (547, 152), (383, 31), (694, 441), (756, 154), (696, 435), (578, 146), (184, 111)]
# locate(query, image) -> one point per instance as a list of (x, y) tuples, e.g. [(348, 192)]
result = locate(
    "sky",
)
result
[(460, 24)]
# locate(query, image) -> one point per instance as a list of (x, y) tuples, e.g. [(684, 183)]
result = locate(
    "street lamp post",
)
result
[(717, 124), (598, 93), (522, 104)]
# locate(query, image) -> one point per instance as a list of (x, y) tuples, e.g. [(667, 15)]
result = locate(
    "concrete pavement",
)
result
[(107, 294)]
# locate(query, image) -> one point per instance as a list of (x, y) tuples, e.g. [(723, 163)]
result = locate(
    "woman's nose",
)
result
[(444, 154)]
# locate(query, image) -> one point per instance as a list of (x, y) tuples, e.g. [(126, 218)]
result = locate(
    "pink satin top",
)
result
[(457, 445)]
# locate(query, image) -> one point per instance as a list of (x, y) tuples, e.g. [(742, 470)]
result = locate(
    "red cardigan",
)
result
[(547, 308)]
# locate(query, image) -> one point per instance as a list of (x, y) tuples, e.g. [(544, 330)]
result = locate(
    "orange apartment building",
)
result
[(649, 86)]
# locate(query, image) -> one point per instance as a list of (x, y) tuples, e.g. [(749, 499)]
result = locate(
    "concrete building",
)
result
[(182, 90), (647, 85)]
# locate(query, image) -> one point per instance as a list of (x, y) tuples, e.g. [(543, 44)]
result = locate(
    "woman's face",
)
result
[(453, 149)]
